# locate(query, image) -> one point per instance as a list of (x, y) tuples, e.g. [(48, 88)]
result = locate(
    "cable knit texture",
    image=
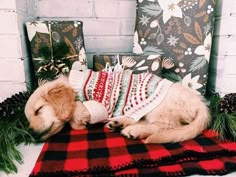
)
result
[(121, 93), (98, 112)]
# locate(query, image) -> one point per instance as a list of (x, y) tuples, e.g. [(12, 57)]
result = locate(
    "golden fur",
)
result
[(181, 116)]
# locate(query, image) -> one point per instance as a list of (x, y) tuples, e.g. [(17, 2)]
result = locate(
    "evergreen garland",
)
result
[(14, 131)]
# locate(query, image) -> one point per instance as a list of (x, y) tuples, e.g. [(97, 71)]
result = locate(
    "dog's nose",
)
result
[(33, 133)]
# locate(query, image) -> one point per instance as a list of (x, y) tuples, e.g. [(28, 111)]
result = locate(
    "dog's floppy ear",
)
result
[(62, 99)]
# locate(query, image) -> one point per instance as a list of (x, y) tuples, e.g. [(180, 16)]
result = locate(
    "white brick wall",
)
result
[(13, 14), (223, 60), (62, 8)]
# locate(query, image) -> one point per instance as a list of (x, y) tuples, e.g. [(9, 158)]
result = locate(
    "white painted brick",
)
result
[(224, 45), (31, 8), (21, 5), (225, 25), (62, 8), (12, 70), (223, 65), (109, 44), (12, 22), (127, 9), (8, 89), (101, 27), (230, 63), (222, 84), (10, 47), (115, 9), (127, 27), (225, 7), (8, 4), (9, 23), (106, 8), (225, 85)]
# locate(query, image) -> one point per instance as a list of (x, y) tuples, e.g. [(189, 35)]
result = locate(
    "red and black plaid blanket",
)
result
[(98, 152)]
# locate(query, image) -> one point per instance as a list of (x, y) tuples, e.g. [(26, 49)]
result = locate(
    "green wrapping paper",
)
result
[(55, 46)]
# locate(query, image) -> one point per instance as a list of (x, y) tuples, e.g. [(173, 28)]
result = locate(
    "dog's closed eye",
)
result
[(38, 110)]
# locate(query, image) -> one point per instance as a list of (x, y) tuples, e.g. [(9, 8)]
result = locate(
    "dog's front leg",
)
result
[(118, 123), (80, 118)]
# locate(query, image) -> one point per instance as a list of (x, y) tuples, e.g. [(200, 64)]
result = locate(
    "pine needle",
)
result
[(231, 124)]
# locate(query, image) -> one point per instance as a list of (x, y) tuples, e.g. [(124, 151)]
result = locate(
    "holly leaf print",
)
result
[(172, 76), (199, 63), (190, 38), (152, 9), (198, 30), (150, 50)]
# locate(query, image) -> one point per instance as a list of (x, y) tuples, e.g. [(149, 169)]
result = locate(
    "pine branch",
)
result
[(223, 121), (14, 132)]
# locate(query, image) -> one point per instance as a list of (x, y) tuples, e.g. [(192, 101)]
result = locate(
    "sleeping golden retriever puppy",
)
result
[(144, 106)]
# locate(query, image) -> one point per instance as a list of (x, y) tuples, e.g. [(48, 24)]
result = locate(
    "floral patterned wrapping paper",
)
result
[(136, 63), (55, 46), (181, 30)]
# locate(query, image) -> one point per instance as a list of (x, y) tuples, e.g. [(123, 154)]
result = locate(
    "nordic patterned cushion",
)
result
[(55, 46), (181, 30), (136, 63)]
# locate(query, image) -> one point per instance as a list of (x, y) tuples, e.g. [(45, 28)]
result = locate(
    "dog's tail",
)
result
[(185, 132)]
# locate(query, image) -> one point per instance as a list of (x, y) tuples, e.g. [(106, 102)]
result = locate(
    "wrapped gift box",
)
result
[(55, 46), (137, 63)]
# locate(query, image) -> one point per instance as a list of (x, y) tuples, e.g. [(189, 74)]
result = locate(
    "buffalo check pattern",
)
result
[(98, 152)]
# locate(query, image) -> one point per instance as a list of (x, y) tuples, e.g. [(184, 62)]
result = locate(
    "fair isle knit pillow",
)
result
[(121, 93), (177, 29)]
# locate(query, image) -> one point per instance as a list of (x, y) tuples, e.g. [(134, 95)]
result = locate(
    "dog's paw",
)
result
[(114, 125), (130, 132), (135, 131), (118, 123)]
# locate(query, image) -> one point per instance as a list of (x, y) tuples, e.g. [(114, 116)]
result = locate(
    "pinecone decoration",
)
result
[(223, 112), (12, 105), (228, 103)]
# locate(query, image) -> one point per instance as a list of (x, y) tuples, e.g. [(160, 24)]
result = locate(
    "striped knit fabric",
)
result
[(122, 93)]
